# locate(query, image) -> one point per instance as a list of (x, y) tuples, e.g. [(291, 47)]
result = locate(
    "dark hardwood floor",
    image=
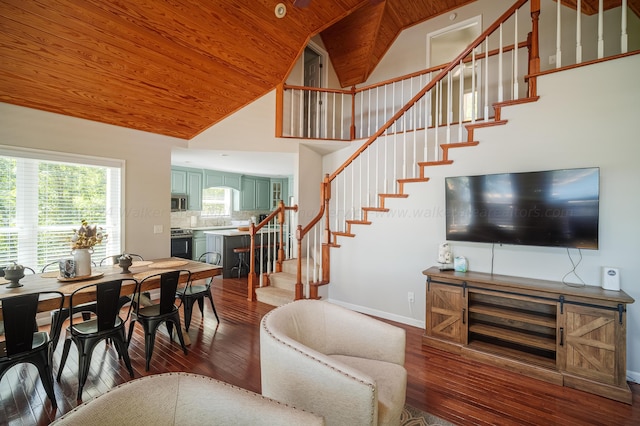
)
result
[(456, 389)]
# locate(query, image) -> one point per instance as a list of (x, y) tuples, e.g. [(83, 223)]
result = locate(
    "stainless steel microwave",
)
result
[(178, 203)]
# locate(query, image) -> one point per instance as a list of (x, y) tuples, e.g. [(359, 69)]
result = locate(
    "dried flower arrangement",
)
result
[(87, 236)]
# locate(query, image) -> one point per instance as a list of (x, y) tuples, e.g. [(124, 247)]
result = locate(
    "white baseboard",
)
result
[(380, 314), (633, 376)]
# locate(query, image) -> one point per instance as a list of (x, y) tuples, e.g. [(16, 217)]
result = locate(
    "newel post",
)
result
[(279, 109), (534, 48), (280, 240), (326, 244), (252, 277), (298, 286)]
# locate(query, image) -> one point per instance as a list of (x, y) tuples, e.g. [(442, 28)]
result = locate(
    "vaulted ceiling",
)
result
[(177, 67)]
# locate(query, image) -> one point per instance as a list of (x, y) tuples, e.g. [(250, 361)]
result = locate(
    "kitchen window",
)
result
[(46, 195), (216, 202)]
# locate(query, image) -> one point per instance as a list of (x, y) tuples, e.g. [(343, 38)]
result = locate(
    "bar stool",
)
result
[(242, 259)]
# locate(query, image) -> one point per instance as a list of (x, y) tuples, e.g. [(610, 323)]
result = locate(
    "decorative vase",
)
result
[(82, 261)]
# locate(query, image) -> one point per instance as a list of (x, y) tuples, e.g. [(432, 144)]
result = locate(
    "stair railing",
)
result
[(395, 151), (272, 242)]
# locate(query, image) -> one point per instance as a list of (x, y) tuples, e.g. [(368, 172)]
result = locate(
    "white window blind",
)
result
[(45, 196)]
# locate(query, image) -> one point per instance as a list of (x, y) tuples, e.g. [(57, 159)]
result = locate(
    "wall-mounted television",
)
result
[(554, 208)]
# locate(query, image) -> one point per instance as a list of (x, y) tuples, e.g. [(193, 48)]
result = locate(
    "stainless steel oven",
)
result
[(181, 243)]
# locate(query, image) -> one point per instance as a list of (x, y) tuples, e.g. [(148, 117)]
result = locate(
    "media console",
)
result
[(570, 336)]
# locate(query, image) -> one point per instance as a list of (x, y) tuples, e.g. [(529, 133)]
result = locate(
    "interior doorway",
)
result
[(443, 46), (313, 119)]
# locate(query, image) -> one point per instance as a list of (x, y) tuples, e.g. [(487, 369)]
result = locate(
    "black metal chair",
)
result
[(22, 340), (107, 324), (113, 260), (192, 293), (166, 311)]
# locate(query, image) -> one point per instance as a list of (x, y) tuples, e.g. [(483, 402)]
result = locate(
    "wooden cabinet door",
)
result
[(446, 313), (590, 342)]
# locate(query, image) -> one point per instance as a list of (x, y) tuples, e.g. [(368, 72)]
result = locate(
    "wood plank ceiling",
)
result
[(178, 67)]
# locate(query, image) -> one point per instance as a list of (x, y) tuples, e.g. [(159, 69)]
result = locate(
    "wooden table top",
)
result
[(48, 281)]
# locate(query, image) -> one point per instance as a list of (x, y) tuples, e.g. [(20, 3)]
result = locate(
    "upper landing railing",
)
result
[(500, 66)]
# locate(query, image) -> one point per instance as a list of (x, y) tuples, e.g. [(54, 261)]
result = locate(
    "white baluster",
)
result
[(500, 79), (558, 35), (579, 32), (438, 114), (473, 86), (449, 104), (486, 79), (461, 101), (600, 29), (623, 28), (515, 57)]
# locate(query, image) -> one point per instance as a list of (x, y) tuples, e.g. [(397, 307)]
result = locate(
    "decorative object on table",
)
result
[(14, 273), (82, 243), (125, 262), (445, 257), (67, 268), (460, 264)]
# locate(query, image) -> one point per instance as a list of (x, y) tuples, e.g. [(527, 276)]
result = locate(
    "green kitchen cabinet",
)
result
[(178, 181), (255, 193)]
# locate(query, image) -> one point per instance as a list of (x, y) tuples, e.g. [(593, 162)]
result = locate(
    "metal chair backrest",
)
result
[(168, 285), (107, 302), (211, 257), (19, 316)]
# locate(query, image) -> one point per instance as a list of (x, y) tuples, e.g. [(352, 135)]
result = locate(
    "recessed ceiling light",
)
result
[(280, 10)]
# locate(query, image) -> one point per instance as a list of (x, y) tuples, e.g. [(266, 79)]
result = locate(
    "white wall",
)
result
[(147, 170), (574, 124)]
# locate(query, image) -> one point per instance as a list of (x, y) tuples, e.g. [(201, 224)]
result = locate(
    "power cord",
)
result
[(573, 271)]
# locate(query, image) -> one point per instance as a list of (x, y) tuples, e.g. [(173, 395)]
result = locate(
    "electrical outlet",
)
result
[(552, 59), (411, 297), (157, 229)]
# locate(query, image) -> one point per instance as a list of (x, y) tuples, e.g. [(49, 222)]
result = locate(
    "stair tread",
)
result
[(435, 163), (486, 124), (394, 195), (411, 180)]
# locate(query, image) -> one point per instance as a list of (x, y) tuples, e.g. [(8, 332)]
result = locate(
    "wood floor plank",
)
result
[(457, 389)]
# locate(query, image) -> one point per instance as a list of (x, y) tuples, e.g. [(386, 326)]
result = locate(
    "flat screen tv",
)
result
[(554, 208)]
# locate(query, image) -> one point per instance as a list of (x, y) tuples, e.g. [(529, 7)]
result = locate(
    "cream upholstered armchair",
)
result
[(334, 362)]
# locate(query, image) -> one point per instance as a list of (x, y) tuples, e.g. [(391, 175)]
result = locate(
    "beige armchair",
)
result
[(334, 362)]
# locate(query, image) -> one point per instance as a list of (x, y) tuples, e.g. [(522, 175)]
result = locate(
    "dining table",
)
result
[(139, 270)]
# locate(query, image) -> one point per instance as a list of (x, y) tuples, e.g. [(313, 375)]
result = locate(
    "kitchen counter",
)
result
[(211, 228), (224, 241), (235, 232)]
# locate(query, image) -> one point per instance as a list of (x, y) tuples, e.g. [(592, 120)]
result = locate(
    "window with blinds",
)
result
[(216, 202), (45, 197)]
